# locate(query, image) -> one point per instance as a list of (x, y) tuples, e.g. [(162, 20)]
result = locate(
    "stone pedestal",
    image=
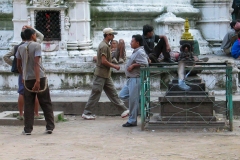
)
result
[(192, 107)]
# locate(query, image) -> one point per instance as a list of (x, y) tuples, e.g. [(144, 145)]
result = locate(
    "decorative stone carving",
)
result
[(67, 23), (171, 26), (46, 3)]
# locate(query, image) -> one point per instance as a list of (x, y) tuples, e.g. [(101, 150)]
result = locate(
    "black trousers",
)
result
[(158, 49), (44, 101)]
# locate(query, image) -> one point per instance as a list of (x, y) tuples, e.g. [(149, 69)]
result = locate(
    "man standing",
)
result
[(9, 61), (102, 77), (162, 46), (131, 90), (35, 83)]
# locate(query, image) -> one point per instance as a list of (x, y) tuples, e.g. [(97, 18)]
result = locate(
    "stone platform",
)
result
[(9, 118), (72, 103)]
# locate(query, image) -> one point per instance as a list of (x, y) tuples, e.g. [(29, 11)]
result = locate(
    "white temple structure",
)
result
[(68, 55)]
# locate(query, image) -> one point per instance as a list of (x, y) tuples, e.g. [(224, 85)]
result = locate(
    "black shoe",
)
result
[(129, 125), (48, 131), (169, 60)]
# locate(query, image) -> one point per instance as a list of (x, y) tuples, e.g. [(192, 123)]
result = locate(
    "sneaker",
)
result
[(169, 60), (20, 117), (125, 114), (129, 125), (114, 60), (182, 85), (121, 60), (88, 116), (205, 59), (48, 131), (38, 117), (24, 133)]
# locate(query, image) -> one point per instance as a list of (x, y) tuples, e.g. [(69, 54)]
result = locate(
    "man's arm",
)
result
[(7, 56), (132, 66), (140, 60), (108, 64), (19, 66), (166, 41), (40, 36), (36, 86)]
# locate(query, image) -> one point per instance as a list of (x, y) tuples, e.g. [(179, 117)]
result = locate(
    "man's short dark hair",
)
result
[(23, 36), (28, 33), (147, 28), (138, 38), (232, 24)]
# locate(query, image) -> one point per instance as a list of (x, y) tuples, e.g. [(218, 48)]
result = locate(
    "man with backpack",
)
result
[(13, 63)]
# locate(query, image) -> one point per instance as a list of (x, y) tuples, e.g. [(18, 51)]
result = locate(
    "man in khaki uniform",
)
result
[(102, 77)]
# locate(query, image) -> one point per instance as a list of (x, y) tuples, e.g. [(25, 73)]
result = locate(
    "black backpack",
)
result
[(14, 63)]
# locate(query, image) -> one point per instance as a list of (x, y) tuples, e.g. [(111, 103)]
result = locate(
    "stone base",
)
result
[(9, 118)]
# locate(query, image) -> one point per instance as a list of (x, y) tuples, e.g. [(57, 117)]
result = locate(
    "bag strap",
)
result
[(46, 84)]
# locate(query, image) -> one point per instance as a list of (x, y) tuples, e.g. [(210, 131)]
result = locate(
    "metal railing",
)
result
[(149, 73)]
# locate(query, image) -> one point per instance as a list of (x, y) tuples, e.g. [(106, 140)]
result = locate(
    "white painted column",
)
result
[(20, 15), (79, 32)]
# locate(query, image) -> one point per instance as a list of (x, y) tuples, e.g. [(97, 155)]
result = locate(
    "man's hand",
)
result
[(168, 48), (36, 86), (25, 27), (117, 67), (149, 60), (130, 68)]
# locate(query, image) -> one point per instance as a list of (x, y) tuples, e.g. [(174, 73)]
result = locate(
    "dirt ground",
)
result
[(105, 139)]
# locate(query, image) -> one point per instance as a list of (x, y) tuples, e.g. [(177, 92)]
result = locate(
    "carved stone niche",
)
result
[(48, 16), (171, 26)]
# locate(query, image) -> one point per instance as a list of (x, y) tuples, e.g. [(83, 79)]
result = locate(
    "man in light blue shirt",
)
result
[(131, 90)]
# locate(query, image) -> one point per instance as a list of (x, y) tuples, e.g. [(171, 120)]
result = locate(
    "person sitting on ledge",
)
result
[(162, 45), (185, 58), (230, 38), (118, 51), (235, 51)]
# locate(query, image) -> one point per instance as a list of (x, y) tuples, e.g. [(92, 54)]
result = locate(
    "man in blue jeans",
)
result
[(131, 90)]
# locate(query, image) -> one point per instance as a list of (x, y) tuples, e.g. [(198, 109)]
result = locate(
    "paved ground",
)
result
[(105, 139)]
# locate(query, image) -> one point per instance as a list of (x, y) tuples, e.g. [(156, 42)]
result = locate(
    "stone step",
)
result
[(187, 109), (74, 103), (186, 93), (194, 87), (184, 98), (187, 118), (190, 80), (10, 118)]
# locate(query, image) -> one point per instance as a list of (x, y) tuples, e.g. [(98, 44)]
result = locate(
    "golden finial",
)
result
[(186, 35)]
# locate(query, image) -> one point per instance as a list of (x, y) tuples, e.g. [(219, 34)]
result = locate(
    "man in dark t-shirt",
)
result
[(152, 50)]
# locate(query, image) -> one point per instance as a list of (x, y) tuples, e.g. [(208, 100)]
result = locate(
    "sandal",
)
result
[(20, 117), (38, 117)]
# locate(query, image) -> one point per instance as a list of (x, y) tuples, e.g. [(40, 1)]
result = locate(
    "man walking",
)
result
[(102, 77)]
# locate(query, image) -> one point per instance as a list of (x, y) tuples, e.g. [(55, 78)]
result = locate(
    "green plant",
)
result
[(27, 2), (61, 118)]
